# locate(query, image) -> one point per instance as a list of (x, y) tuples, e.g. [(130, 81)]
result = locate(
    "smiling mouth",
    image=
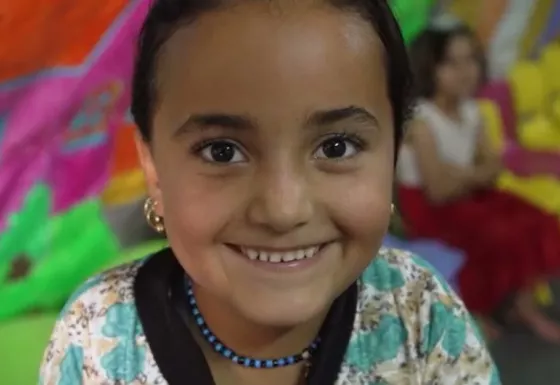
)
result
[(277, 256)]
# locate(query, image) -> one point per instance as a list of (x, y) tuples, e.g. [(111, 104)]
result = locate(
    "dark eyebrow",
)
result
[(324, 118), (202, 121), (242, 122)]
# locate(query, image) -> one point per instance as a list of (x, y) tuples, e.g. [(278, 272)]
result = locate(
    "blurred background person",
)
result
[(447, 173)]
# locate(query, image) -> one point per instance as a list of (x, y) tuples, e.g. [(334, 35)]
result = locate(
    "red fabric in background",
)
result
[(508, 243)]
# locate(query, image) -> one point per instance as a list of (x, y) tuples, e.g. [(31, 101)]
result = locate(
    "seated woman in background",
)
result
[(446, 180)]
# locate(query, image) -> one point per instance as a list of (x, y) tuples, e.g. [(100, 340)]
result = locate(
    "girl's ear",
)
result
[(145, 156)]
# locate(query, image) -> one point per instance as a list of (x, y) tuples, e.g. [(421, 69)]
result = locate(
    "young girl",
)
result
[(268, 133), (447, 172)]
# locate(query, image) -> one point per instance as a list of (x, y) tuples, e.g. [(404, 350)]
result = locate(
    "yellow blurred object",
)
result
[(466, 10), (534, 28), (543, 294), (493, 124), (549, 62), (527, 87), (541, 191), (555, 110), (539, 133), (536, 133), (125, 188)]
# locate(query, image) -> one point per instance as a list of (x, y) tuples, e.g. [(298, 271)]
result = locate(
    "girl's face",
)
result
[(272, 156), (458, 75)]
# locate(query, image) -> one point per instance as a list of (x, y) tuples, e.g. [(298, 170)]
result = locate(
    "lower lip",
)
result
[(300, 264)]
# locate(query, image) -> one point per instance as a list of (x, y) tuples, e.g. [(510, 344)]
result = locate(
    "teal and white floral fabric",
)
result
[(409, 329)]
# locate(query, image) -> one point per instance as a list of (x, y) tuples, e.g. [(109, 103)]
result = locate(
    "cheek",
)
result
[(447, 79), (196, 209), (362, 207), (473, 77), (196, 212)]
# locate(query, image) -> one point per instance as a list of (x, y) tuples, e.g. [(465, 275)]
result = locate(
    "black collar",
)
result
[(162, 308)]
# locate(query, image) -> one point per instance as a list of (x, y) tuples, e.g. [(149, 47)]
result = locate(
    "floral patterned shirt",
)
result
[(409, 328)]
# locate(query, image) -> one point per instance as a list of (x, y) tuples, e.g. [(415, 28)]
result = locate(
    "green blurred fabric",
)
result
[(63, 251), (413, 16), (22, 342)]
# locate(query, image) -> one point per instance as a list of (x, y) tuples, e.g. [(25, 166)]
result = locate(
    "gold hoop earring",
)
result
[(155, 221)]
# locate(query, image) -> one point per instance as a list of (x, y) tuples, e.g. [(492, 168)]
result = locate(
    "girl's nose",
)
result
[(281, 201)]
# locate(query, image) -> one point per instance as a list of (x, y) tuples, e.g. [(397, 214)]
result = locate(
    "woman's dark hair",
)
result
[(166, 16), (429, 50)]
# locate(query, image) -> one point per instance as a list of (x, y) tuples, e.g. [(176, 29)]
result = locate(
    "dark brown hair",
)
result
[(428, 51)]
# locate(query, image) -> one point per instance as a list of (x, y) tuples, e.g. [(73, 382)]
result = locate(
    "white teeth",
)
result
[(289, 256), (279, 257), (275, 257), (311, 252), (252, 254)]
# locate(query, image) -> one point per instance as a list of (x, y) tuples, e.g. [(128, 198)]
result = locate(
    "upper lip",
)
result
[(279, 249)]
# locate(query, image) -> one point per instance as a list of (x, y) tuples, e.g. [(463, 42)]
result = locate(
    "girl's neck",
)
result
[(250, 339), (448, 106)]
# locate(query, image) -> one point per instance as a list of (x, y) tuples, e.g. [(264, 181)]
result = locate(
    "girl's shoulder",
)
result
[(410, 324), (98, 337), (394, 268), (102, 305), (101, 292), (99, 333), (403, 284)]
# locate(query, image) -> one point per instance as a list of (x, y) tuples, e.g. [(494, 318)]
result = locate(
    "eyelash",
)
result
[(198, 147), (355, 139)]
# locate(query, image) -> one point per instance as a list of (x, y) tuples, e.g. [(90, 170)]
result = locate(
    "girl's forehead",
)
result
[(240, 57), (232, 33), (459, 44)]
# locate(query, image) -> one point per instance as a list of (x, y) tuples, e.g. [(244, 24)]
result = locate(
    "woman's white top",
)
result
[(456, 140)]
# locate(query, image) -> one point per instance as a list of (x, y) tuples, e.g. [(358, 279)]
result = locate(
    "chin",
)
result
[(284, 314)]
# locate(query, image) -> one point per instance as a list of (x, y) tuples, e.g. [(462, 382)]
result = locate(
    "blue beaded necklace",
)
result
[(238, 359)]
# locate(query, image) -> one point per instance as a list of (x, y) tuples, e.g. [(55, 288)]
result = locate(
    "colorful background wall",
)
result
[(65, 143), (509, 29)]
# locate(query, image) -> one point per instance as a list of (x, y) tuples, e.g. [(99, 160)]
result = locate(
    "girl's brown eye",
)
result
[(338, 147), (222, 151)]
